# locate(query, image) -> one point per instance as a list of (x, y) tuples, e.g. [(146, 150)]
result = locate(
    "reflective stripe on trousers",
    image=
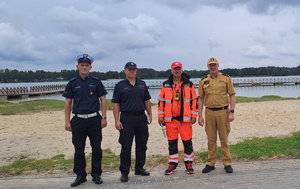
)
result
[(189, 157), (173, 158)]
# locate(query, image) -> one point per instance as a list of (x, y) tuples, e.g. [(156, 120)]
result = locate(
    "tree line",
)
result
[(7, 75)]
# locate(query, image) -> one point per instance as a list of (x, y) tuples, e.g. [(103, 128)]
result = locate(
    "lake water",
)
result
[(291, 90)]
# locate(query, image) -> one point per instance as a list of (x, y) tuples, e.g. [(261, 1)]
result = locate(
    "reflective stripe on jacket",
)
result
[(188, 100)]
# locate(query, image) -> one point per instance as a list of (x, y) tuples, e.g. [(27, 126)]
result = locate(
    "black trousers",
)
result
[(133, 126), (81, 129)]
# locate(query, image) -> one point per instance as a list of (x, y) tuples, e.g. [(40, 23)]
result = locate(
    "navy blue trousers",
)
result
[(133, 126), (81, 129)]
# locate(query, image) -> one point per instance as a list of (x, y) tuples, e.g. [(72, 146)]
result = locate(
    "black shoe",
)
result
[(142, 172), (124, 177), (97, 179), (228, 169), (207, 169), (78, 181)]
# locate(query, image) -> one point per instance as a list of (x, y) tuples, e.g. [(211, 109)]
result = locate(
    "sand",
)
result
[(42, 135)]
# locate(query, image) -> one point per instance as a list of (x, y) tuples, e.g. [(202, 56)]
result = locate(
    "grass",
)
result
[(262, 148), (9, 108), (26, 107), (249, 149), (263, 98), (59, 162)]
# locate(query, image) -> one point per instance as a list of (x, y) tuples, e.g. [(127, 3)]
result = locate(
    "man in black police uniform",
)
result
[(131, 97), (85, 91)]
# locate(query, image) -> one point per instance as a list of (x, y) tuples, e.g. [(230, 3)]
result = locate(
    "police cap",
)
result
[(130, 65), (84, 58)]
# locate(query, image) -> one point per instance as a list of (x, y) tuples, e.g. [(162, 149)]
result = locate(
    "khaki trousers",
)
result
[(217, 123)]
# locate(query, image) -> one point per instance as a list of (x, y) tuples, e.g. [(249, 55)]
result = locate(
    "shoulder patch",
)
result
[(225, 75)]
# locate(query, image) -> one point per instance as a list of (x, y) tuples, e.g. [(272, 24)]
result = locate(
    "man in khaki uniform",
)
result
[(213, 90)]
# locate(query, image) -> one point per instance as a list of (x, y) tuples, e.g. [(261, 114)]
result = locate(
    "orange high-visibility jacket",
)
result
[(188, 99)]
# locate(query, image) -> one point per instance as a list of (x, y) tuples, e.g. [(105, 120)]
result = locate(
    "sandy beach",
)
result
[(42, 135)]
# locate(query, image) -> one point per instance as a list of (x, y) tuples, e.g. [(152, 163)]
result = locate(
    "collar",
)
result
[(184, 78), (88, 77), (216, 75), (127, 81)]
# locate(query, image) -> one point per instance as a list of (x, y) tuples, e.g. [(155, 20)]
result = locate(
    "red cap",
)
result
[(176, 65)]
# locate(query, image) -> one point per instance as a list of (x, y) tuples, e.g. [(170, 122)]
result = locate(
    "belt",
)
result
[(126, 113), (216, 109), (86, 116)]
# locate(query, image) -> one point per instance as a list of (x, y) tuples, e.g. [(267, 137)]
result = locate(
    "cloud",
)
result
[(269, 7), (256, 51), (12, 41), (50, 34), (92, 29), (212, 43), (288, 51), (140, 32)]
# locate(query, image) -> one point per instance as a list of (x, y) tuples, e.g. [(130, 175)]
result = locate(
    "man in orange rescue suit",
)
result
[(213, 90), (177, 110)]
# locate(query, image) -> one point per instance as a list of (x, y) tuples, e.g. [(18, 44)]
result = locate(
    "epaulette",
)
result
[(96, 78), (74, 78), (141, 81), (225, 75), (119, 82), (203, 78)]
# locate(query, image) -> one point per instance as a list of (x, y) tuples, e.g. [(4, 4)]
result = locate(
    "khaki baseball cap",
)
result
[(212, 61)]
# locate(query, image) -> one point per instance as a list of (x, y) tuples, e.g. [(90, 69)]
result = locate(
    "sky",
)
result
[(49, 34)]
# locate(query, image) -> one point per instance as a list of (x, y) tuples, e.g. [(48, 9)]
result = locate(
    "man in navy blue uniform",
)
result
[(85, 92), (131, 97)]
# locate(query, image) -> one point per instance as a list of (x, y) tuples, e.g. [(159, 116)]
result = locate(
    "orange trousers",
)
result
[(184, 129)]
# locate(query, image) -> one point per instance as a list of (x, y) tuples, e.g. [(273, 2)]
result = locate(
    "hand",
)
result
[(150, 119), (161, 121), (103, 123), (200, 121), (230, 117), (118, 125), (68, 126), (193, 120)]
